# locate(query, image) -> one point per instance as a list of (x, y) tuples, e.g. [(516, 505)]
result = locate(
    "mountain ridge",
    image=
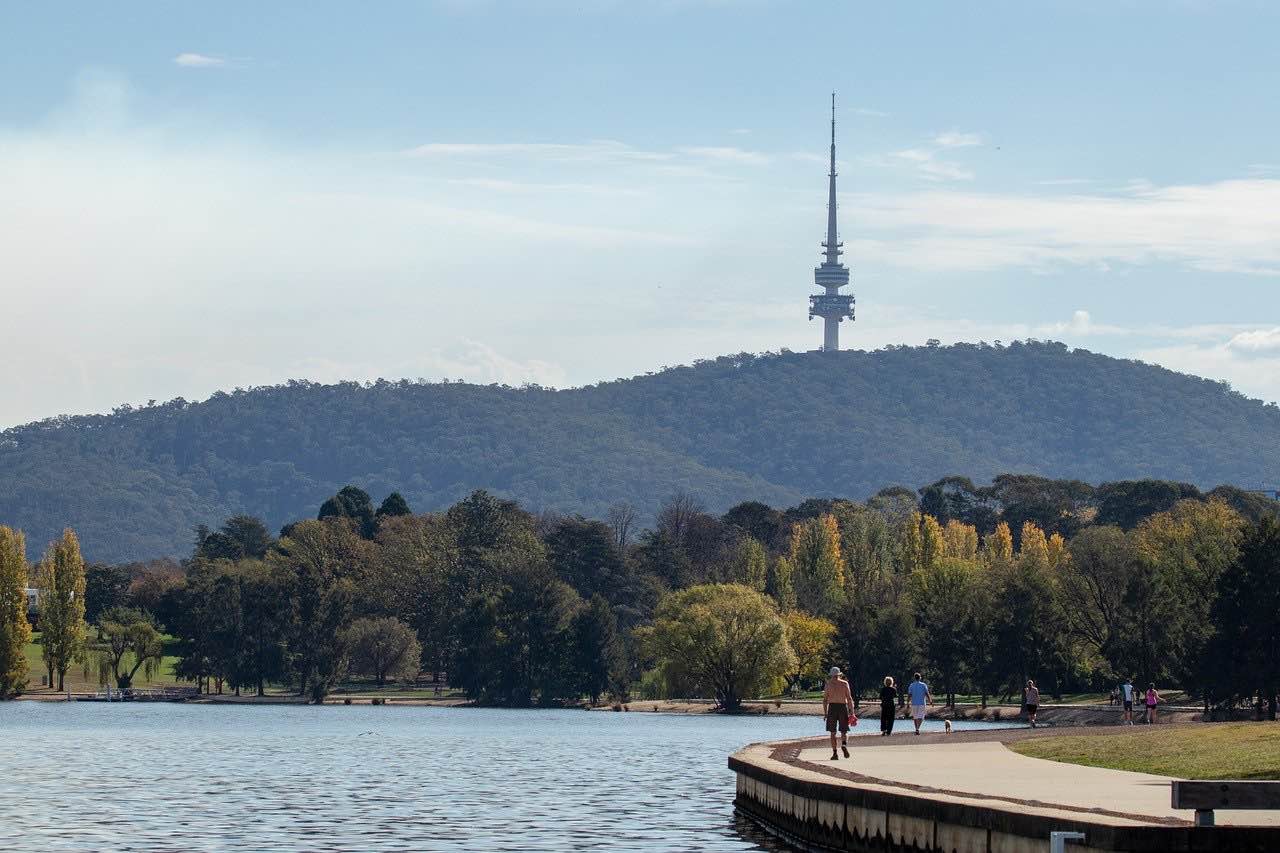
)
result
[(775, 427)]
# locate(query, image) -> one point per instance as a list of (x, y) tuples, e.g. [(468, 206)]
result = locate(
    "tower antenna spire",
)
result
[(832, 306), (833, 129)]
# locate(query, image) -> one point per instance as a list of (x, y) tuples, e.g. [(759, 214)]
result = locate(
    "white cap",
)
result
[(835, 670)]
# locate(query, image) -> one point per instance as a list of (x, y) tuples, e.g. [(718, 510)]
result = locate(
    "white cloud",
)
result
[(726, 154), (198, 60), (863, 111), (1228, 226), (1064, 182), (929, 167), (526, 187), (741, 131), (1256, 342), (927, 163), (596, 150), (682, 159), (956, 139), (1253, 376)]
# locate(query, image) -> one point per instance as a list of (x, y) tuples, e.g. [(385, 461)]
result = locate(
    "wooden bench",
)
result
[(1206, 796)]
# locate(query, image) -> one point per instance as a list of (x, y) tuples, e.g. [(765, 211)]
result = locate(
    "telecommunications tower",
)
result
[(832, 305)]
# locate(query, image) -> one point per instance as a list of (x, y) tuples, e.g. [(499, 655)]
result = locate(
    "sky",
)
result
[(197, 197)]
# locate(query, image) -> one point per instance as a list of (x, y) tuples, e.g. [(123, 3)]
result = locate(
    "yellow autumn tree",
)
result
[(15, 630), (1056, 547), (923, 542), (62, 627), (997, 546), (818, 566), (810, 638), (1034, 548), (960, 540)]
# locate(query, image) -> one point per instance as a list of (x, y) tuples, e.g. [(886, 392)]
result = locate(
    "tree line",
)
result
[(982, 587)]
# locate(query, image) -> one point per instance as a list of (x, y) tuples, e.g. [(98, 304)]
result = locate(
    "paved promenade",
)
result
[(978, 767)]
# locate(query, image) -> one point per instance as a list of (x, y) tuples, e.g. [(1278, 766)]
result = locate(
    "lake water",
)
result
[(88, 776)]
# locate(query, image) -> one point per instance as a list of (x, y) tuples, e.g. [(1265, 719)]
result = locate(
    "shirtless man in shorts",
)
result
[(837, 702)]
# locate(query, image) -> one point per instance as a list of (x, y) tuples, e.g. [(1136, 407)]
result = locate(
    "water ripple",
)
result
[(156, 777)]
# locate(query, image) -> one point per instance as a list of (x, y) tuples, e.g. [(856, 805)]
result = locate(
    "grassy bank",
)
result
[(77, 682), (1216, 751)]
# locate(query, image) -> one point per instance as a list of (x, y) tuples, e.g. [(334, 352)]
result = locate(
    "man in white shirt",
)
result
[(1126, 696), (920, 698)]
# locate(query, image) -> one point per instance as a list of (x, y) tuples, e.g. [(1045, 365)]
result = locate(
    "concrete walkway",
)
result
[(989, 771)]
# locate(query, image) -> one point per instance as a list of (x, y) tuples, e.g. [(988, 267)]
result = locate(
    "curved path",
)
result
[(976, 766)]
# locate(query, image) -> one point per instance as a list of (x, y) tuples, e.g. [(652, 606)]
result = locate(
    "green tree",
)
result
[(352, 503), (1183, 552), (62, 625), (1095, 582), (322, 559), (516, 640), (1244, 656), (759, 521), (392, 505), (128, 641), (384, 648), (422, 582), (266, 617), (104, 587), (240, 536), (598, 649), (584, 554), (780, 584), (15, 630), (1126, 503), (725, 638), (941, 597), (750, 564)]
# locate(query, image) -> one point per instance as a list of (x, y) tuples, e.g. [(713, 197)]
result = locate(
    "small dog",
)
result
[(946, 724)]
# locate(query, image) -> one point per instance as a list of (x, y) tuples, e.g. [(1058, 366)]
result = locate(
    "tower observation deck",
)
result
[(832, 305)]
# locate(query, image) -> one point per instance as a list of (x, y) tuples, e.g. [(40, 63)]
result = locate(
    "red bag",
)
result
[(853, 720)]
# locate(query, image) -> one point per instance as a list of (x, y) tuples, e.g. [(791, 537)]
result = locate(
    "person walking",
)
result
[(1126, 698), (888, 705), (1031, 699), (837, 702), (918, 691), (1153, 699)]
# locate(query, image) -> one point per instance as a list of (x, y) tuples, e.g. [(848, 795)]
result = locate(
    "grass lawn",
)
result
[(1205, 751), (76, 681)]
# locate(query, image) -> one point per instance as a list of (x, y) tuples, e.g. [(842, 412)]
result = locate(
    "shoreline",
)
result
[(1050, 716)]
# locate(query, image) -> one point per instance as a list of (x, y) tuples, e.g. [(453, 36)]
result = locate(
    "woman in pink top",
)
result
[(1153, 699)]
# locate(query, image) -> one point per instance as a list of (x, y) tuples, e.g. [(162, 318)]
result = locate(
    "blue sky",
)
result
[(210, 196)]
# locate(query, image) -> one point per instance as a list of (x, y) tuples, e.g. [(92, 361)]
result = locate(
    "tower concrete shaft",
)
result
[(831, 305)]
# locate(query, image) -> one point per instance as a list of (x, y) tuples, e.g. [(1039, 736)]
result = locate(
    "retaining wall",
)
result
[(812, 813)]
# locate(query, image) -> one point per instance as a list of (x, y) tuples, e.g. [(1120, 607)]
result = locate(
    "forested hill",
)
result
[(774, 428)]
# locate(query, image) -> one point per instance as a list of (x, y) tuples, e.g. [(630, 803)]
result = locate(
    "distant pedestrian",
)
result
[(1031, 699), (837, 702), (888, 705), (1126, 698), (1153, 699), (1112, 700), (918, 691)]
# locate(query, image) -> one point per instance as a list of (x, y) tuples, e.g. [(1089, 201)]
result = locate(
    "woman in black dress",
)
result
[(888, 705)]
